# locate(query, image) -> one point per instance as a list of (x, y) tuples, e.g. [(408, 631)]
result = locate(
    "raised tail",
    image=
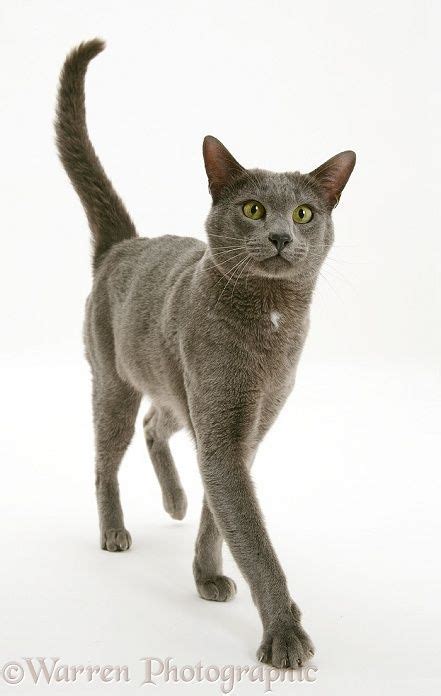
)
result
[(108, 219)]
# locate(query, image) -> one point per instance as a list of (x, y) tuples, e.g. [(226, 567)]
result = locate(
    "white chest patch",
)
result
[(275, 319)]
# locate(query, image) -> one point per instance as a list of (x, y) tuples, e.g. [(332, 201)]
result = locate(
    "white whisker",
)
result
[(228, 281)]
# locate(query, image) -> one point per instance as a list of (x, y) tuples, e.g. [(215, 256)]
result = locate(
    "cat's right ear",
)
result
[(220, 165)]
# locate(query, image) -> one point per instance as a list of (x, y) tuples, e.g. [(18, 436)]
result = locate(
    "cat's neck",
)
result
[(256, 295)]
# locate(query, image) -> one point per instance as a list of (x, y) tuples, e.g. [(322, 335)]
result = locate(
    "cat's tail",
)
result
[(108, 219)]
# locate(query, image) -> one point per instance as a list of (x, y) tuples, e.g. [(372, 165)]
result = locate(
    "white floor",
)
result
[(349, 483)]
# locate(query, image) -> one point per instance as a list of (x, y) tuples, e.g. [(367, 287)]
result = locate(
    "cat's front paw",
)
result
[(116, 540), (218, 588), (286, 645)]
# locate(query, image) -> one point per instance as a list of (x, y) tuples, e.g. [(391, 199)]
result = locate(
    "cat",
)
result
[(212, 334)]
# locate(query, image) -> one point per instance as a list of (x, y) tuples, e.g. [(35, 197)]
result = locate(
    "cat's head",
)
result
[(271, 224)]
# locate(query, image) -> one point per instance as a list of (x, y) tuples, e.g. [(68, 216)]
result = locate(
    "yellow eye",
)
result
[(302, 214), (253, 210)]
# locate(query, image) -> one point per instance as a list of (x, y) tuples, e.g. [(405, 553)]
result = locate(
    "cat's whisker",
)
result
[(362, 263), (339, 276), (248, 274), (228, 281), (224, 257), (336, 246), (227, 250), (224, 236), (247, 260), (322, 275), (226, 246), (232, 274), (223, 276), (332, 268), (223, 262)]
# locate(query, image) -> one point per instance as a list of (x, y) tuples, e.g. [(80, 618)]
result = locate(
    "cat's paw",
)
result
[(175, 503), (116, 540), (286, 645), (218, 588)]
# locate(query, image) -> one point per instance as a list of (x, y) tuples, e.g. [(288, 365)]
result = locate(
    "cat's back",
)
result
[(145, 266), (134, 280), (158, 255)]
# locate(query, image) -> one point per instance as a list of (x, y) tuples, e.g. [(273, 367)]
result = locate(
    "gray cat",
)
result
[(212, 333)]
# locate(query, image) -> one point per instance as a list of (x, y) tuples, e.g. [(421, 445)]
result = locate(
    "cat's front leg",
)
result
[(223, 440)]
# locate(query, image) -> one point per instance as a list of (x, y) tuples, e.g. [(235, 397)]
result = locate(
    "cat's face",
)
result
[(269, 224)]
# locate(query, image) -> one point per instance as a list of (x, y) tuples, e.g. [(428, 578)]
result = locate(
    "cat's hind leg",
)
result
[(159, 425), (115, 405), (207, 565)]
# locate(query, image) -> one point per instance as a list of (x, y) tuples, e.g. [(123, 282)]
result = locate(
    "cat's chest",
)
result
[(274, 351), (277, 327), (276, 339), (275, 318)]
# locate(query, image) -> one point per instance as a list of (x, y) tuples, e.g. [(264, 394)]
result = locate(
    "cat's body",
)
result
[(212, 334), (156, 297)]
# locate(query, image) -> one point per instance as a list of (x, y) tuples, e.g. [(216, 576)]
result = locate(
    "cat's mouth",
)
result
[(274, 265), (276, 261), (278, 256)]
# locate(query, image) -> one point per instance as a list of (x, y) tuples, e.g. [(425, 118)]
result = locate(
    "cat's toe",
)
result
[(218, 588), (116, 540), (286, 646)]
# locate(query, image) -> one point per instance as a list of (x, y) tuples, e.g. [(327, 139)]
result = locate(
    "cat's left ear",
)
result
[(333, 175), (220, 165)]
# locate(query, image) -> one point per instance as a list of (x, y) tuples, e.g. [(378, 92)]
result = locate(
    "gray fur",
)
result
[(212, 333)]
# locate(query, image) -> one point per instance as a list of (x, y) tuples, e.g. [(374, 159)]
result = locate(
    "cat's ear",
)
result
[(333, 175), (220, 165)]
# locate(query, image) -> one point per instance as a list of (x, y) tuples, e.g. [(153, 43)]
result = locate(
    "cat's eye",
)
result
[(253, 210), (302, 214)]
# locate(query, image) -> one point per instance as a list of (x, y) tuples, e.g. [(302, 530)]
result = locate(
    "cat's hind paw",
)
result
[(175, 503), (116, 540)]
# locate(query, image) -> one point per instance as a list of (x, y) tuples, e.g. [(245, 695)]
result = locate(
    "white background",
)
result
[(349, 475)]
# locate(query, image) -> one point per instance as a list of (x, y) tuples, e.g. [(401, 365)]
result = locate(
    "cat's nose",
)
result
[(279, 239)]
